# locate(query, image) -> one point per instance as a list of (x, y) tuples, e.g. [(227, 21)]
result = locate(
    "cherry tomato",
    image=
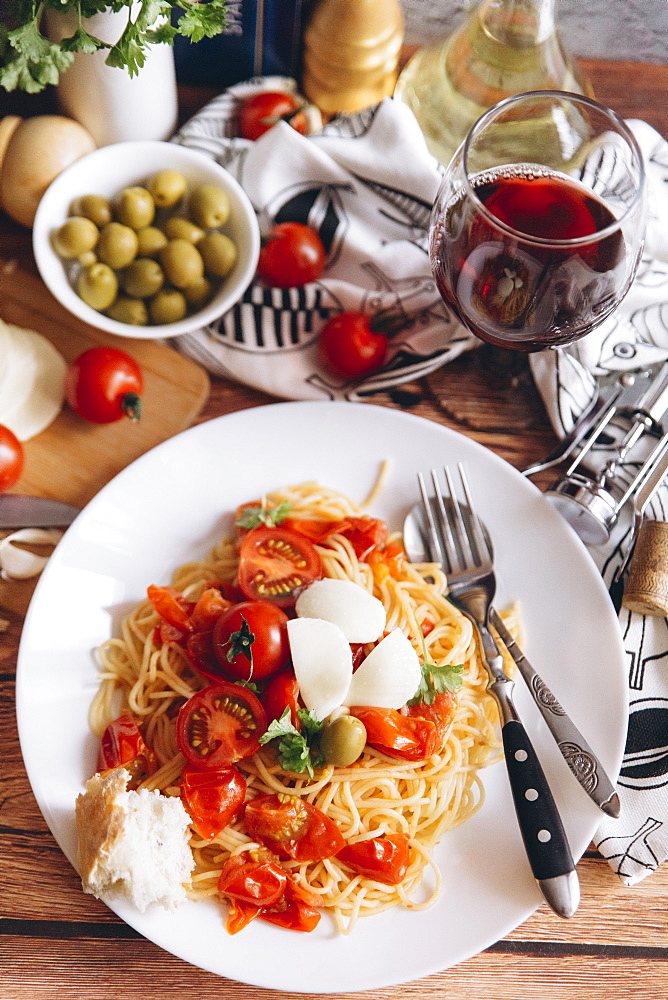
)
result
[(212, 798), (282, 692), (122, 745), (250, 641), (239, 915), (276, 564), (292, 912), (104, 384), (220, 725), (292, 255), (257, 883), (384, 859), (441, 712), (208, 609), (171, 607), (11, 458), (261, 111), (292, 828), (350, 347), (397, 735)]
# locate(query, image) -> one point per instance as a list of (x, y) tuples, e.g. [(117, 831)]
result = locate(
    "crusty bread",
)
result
[(132, 844)]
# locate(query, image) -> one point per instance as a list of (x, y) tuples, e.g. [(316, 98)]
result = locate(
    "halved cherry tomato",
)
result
[(239, 915), (349, 345), (104, 384), (122, 745), (250, 641), (11, 458), (220, 725), (261, 111), (364, 533), (276, 564), (441, 712), (171, 606), (397, 735), (208, 609), (292, 912), (212, 798), (384, 859), (257, 883), (292, 828), (292, 254), (282, 692)]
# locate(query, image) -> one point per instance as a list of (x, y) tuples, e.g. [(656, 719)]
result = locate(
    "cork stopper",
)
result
[(646, 589)]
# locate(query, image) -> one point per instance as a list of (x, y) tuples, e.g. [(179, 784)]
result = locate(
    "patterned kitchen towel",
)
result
[(366, 182)]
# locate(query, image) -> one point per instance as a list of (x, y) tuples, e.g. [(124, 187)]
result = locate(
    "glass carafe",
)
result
[(504, 47)]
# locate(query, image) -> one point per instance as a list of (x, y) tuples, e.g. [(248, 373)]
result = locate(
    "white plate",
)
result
[(170, 506)]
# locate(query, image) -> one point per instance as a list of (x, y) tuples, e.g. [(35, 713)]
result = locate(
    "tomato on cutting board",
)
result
[(104, 384), (11, 458)]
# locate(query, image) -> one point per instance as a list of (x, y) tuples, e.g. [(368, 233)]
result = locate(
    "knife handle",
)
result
[(540, 824)]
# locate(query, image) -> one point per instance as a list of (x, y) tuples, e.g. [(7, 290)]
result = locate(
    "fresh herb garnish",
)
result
[(298, 751), (255, 515), (437, 680), (30, 61)]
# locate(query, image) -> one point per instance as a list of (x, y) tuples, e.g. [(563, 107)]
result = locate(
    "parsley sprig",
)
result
[(437, 680), (254, 515), (29, 61), (298, 750)]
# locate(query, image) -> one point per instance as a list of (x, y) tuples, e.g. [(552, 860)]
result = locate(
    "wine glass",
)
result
[(538, 225)]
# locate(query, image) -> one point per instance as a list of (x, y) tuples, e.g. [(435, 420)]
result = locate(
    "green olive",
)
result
[(135, 207), (167, 187), (209, 206), (98, 286), (142, 278), (218, 253), (134, 312), (168, 306), (77, 235), (199, 293), (151, 240), (87, 258), (178, 228), (182, 263), (117, 245), (93, 207), (342, 740)]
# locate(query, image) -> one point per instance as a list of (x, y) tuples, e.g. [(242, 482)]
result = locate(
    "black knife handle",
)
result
[(540, 824)]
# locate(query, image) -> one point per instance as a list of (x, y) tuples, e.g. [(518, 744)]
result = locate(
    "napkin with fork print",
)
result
[(366, 183)]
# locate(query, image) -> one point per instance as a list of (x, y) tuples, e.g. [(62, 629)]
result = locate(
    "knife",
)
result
[(20, 511), (575, 750)]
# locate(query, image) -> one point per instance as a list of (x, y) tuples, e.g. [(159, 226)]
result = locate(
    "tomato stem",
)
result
[(131, 404)]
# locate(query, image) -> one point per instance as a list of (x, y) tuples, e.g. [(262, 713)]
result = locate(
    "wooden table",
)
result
[(61, 943)]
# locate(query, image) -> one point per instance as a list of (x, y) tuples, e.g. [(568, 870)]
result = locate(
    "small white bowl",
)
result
[(106, 171)]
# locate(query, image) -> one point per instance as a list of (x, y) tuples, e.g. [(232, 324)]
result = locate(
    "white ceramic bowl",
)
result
[(106, 171)]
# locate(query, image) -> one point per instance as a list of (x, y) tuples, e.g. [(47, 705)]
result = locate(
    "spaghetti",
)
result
[(376, 795)]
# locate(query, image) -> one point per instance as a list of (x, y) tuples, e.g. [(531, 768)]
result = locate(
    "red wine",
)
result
[(524, 291)]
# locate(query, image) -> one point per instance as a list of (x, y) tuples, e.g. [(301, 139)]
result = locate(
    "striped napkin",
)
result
[(366, 183)]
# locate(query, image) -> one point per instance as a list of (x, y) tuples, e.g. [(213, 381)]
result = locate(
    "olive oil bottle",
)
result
[(504, 47)]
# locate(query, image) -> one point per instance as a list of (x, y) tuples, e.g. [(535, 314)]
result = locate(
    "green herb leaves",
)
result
[(254, 515), (437, 680), (30, 62), (298, 751)]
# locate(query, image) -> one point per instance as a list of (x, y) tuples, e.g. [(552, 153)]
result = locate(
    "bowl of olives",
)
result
[(146, 239)]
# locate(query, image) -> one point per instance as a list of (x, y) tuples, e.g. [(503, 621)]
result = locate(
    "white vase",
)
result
[(111, 104)]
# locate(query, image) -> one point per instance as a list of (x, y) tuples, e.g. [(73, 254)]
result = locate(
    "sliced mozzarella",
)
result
[(32, 381), (389, 675), (323, 663), (359, 615)]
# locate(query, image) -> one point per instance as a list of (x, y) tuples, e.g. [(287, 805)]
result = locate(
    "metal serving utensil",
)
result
[(20, 511), (574, 748), (456, 539)]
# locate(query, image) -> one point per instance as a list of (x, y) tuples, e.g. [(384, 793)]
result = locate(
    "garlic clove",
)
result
[(19, 564)]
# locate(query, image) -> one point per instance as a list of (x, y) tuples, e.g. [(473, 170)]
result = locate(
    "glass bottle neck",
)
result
[(518, 23)]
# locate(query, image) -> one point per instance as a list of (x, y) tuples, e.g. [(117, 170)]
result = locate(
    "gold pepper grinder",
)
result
[(351, 53), (646, 589)]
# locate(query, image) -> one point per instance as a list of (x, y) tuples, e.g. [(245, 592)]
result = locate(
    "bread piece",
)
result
[(132, 844)]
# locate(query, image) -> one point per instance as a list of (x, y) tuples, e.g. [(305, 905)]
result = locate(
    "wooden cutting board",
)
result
[(72, 460)]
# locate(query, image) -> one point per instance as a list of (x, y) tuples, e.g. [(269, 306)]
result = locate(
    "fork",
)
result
[(457, 541)]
